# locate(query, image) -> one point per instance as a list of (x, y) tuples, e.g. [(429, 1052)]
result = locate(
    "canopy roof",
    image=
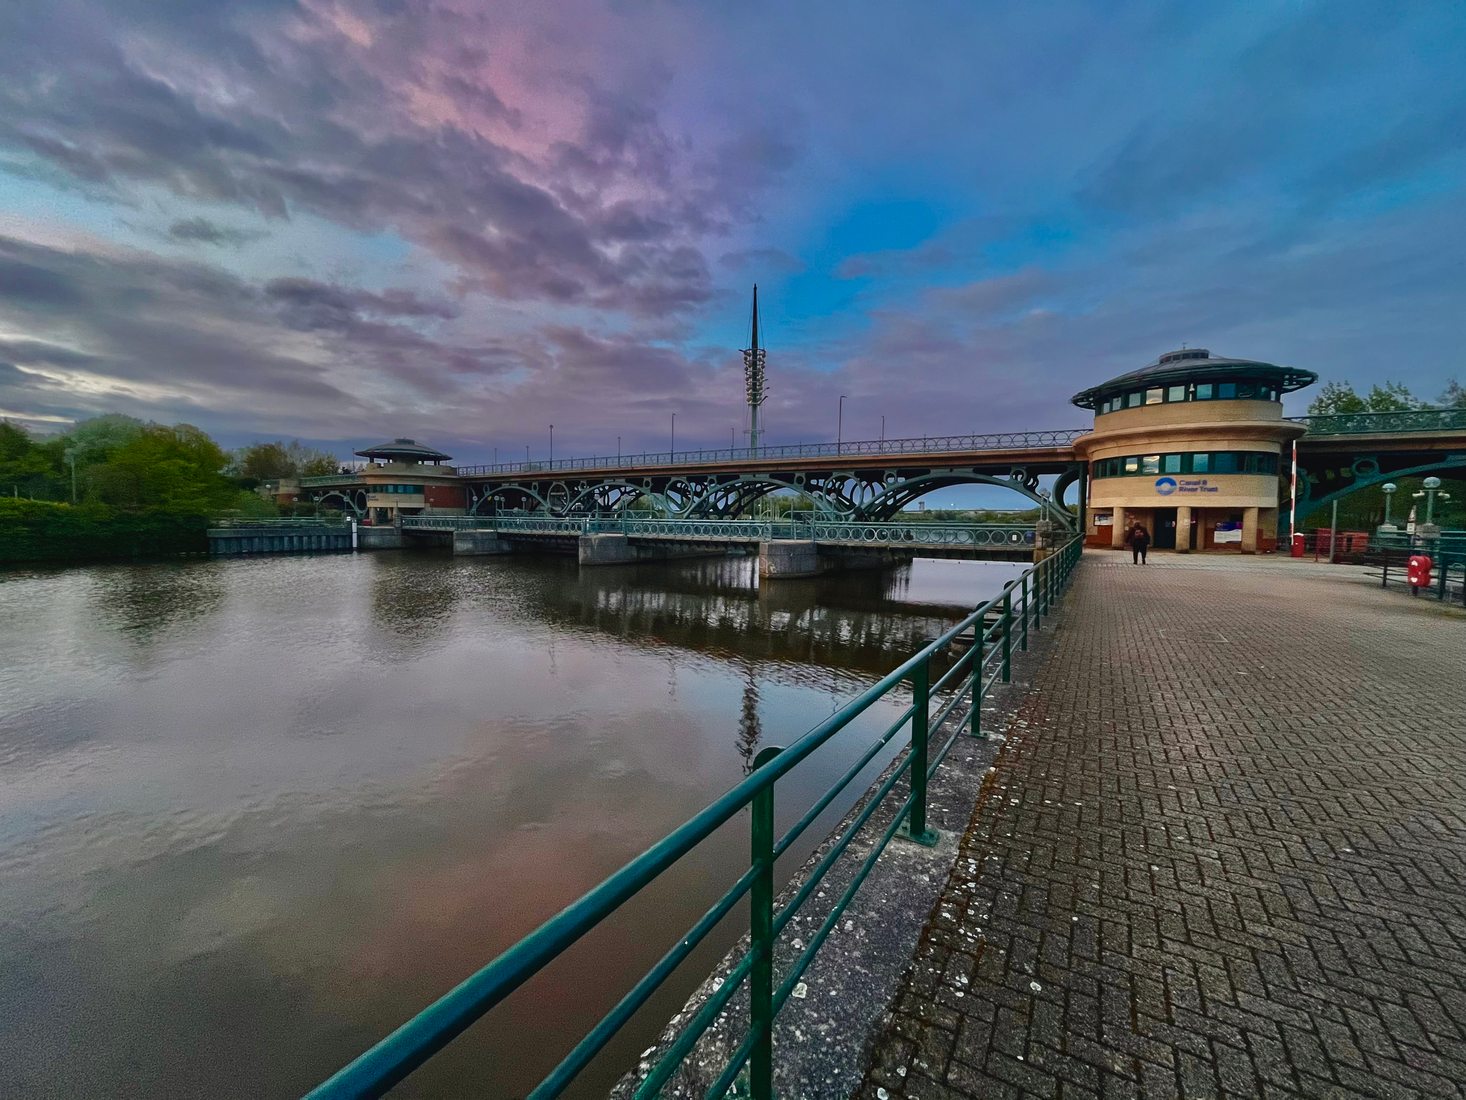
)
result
[(1195, 365), (404, 450)]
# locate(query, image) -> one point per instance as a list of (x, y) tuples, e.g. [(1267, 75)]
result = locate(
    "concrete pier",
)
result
[(606, 549), (380, 538), (788, 558), (479, 543)]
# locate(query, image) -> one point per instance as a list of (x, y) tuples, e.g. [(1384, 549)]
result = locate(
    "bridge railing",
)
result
[(1374, 423), (893, 534), (331, 479), (925, 445), (325, 519), (995, 631)]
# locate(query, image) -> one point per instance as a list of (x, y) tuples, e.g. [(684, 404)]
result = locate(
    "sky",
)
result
[(464, 221)]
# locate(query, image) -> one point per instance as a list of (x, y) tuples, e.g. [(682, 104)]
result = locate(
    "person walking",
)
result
[(1139, 544)]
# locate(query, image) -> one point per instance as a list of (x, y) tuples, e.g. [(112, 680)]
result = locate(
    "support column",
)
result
[(788, 558), (1183, 528), (1117, 528), (1249, 530)]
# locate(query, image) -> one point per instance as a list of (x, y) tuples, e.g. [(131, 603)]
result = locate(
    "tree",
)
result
[(1341, 397), (275, 459), (177, 469), (1454, 396), (96, 439), (25, 464), (264, 461)]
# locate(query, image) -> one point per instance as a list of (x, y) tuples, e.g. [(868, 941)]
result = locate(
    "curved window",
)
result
[(1189, 462), (1191, 391)]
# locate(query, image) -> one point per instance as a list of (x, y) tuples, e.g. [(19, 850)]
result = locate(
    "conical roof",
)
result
[(1195, 365), (404, 450)]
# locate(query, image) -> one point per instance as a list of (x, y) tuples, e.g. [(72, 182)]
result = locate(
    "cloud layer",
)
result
[(339, 219)]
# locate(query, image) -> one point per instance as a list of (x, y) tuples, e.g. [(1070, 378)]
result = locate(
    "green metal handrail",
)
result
[(1369, 423), (1024, 602)]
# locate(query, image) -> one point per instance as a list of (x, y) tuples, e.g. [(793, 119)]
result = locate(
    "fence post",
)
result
[(915, 827), (974, 720), (1023, 613), (761, 939), (1008, 634)]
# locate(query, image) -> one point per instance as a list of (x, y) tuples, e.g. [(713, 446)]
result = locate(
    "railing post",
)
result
[(915, 827), (974, 719), (761, 939), (1023, 614), (1008, 634)]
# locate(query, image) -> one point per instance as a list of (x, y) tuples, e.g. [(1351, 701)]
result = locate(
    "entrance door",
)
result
[(1164, 535)]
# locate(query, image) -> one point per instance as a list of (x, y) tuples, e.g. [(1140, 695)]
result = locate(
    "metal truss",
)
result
[(850, 495)]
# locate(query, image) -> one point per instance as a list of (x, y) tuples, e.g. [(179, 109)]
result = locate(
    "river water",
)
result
[(254, 813)]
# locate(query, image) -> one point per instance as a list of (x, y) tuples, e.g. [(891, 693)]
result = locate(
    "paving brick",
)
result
[(1226, 852)]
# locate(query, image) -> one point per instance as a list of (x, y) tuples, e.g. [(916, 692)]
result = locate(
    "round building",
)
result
[(1191, 448)]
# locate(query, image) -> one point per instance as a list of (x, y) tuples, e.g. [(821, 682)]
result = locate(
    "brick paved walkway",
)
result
[(1224, 853)]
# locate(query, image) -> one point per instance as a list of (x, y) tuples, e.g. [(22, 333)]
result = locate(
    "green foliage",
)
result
[(26, 467), (1341, 397), (94, 441), (276, 459), (1454, 396), (1364, 509), (33, 530), (177, 469)]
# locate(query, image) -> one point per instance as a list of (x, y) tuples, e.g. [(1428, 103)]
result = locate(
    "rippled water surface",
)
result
[(255, 813)]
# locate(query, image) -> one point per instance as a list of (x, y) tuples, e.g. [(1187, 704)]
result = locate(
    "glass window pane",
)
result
[(1203, 391), (1246, 390), (1224, 462), (1132, 400), (1226, 391), (1200, 463), (1171, 464), (1132, 465), (1154, 397), (1150, 464), (1176, 393)]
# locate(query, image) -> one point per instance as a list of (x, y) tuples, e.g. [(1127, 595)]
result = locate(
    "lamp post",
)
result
[(1432, 486), (552, 444), (840, 426), (1389, 489), (71, 459), (673, 450), (883, 427), (618, 448)]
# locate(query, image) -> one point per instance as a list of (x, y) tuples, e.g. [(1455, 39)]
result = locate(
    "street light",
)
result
[(674, 435), (1432, 486), (883, 427), (618, 448), (552, 444), (1389, 489), (840, 426)]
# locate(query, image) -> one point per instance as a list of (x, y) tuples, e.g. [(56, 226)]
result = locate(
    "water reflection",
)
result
[(255, 813)]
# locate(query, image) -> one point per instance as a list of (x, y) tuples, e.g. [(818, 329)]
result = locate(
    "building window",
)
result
[(1176, 393), (1154, 397), (1188, 462)]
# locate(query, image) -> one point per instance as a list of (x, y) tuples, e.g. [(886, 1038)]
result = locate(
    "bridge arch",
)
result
[(1366, 473), (901, 493), (345, 497)]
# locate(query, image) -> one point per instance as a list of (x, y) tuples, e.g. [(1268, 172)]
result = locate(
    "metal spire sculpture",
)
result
[(753, 378)]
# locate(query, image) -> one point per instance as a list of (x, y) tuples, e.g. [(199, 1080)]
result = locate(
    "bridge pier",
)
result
[(380, 538), (610, 548), (788, 558), (467, 543)]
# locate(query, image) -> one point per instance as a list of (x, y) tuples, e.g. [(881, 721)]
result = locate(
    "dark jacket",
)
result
[(1140, 538)]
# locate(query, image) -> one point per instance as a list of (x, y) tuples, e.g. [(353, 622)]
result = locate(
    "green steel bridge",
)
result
[(874, 480)]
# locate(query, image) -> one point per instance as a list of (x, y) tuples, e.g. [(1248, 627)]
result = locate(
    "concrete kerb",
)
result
[(822, 1038)]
